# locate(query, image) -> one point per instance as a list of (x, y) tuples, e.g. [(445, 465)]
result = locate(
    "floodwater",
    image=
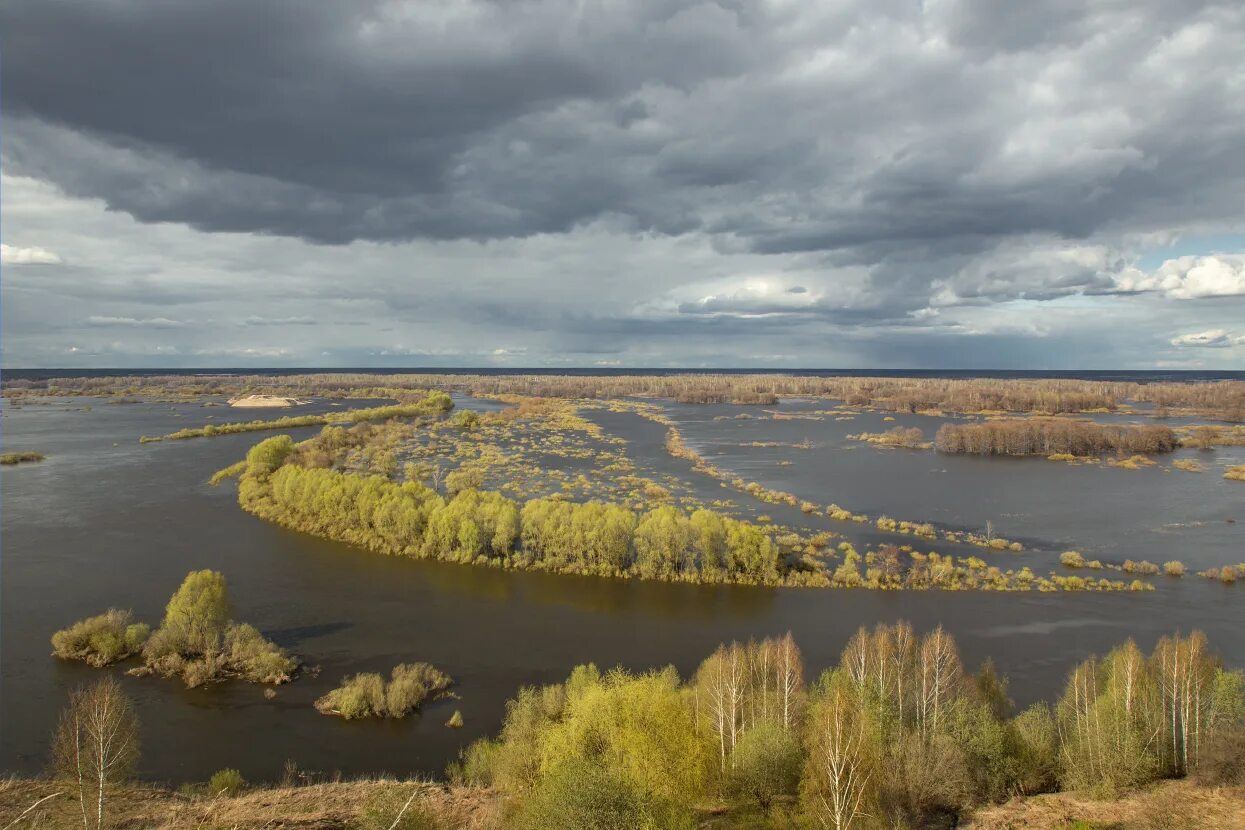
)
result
[(105, 521)]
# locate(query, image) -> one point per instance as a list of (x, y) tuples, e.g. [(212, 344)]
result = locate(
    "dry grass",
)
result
[(337, 806), (331, 806), (1167, 806)]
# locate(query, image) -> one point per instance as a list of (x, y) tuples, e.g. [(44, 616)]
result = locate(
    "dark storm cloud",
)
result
[(718, 181), (792, 128)]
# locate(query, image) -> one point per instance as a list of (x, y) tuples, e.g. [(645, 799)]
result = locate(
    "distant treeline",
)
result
[(1050, 436), (1221, 399), (434, 403), (898, 734)]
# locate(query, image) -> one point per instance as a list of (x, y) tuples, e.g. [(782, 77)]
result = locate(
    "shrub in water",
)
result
[(101, 640), (367, 695), (1072, 559)]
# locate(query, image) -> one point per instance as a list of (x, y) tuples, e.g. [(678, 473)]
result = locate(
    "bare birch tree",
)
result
[(96, 746), (789, 667), (939, 673), (720, 683), (840, 779), (1185, 674)]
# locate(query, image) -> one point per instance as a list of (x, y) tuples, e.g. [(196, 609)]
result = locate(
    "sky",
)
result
[(1056, 184)]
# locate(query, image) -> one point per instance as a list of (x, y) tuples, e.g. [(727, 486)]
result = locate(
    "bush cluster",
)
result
[(101, 640), (367, 695), (197, 641)]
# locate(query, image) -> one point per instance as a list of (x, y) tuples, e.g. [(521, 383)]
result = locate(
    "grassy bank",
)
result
[(341, 805)]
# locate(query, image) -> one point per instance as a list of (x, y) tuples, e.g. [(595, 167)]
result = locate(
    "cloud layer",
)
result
[(858, 183)]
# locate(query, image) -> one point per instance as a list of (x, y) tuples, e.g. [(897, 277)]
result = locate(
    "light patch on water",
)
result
[(1044, 627)]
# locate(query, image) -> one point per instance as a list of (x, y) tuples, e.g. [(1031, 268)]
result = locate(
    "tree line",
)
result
[(898, 734), (1053, 436), (1220, 399)]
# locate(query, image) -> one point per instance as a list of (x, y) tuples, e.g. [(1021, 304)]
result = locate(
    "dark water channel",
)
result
[(105, 521)]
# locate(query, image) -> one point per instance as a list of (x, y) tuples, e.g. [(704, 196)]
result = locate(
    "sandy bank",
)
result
[(265, 402)]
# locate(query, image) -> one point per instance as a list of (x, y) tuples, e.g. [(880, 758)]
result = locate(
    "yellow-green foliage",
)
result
[(232, 471), (226, 782), (1236, 473), (908, 437), (1173, 568), (595, 537), (368, 695), (198, 641), (300, 487), (1135, 462), (897, 728), (101, 640), (617, 745), (411, 519)]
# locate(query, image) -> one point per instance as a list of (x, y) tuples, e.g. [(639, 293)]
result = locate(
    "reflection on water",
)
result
[(106, 521)]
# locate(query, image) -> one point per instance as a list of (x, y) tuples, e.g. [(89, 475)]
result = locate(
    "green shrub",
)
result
[(368, 695), (226, 782), (465, 419), (101, 640), (1072, 559), (253, 657), (765, 764), (198, 641), (411, 684), (359, 696)]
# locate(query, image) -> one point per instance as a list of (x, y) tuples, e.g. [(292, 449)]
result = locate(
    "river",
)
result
[(106, 521)]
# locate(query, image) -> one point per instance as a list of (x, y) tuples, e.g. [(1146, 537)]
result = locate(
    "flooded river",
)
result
[(106, 521)]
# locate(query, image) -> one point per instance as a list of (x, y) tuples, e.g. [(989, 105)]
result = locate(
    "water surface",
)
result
[(105, 521)]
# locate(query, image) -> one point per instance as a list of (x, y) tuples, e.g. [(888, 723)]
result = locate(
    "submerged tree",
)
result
[(199, 642)]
